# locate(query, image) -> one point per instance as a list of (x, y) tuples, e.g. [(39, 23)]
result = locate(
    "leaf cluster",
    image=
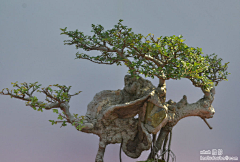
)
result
[(60, 94), (78, 122), (55, 95), (162, 57)]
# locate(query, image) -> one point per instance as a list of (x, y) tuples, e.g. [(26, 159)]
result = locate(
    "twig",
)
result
[(207, 123)]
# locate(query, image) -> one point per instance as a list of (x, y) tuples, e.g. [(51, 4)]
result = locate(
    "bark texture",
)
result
[(112, 116), (177, 111)]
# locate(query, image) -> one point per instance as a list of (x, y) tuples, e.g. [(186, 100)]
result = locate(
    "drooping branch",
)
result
[(55, 99)]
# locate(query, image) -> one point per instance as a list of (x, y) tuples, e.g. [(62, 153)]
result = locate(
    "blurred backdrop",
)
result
[(31, 49)]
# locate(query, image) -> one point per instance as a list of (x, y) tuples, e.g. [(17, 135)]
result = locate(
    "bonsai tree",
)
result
[(111, 113)]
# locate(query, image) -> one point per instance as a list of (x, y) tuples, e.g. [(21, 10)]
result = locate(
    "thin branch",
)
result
[(148, 57), (100, 62), (16, 96), (105, 48), (207, 123)]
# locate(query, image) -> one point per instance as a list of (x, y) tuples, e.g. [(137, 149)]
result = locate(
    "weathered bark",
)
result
[(101, 150), (162, 89), (158, 144), (182, 109), (111, 116)]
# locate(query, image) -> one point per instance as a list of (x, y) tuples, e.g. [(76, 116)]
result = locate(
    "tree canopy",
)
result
[(162, 57)]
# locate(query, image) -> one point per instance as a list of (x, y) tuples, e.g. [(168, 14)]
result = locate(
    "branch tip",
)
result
[(207, 123)]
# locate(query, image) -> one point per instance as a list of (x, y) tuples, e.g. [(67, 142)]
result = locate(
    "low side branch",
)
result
[(58, 98)]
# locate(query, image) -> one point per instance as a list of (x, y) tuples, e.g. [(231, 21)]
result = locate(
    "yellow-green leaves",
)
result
[(78, 122), (61, 117), (34, 104), (55, 110), (53, 122), (34, 99), (55, 95), (216, 70), (172, 58)]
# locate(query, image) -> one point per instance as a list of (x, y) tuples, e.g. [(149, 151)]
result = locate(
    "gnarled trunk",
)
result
[(177, 111), (111, 116)]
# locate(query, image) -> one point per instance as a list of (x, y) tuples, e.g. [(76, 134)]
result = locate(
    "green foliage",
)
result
[(79, 122), (164, 57), (55, 111), (53, 122), (56, 95)]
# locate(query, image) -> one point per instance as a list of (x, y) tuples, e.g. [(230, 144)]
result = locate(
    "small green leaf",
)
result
[(60, 117), (64, 123), (55, 111), (50, 89)]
